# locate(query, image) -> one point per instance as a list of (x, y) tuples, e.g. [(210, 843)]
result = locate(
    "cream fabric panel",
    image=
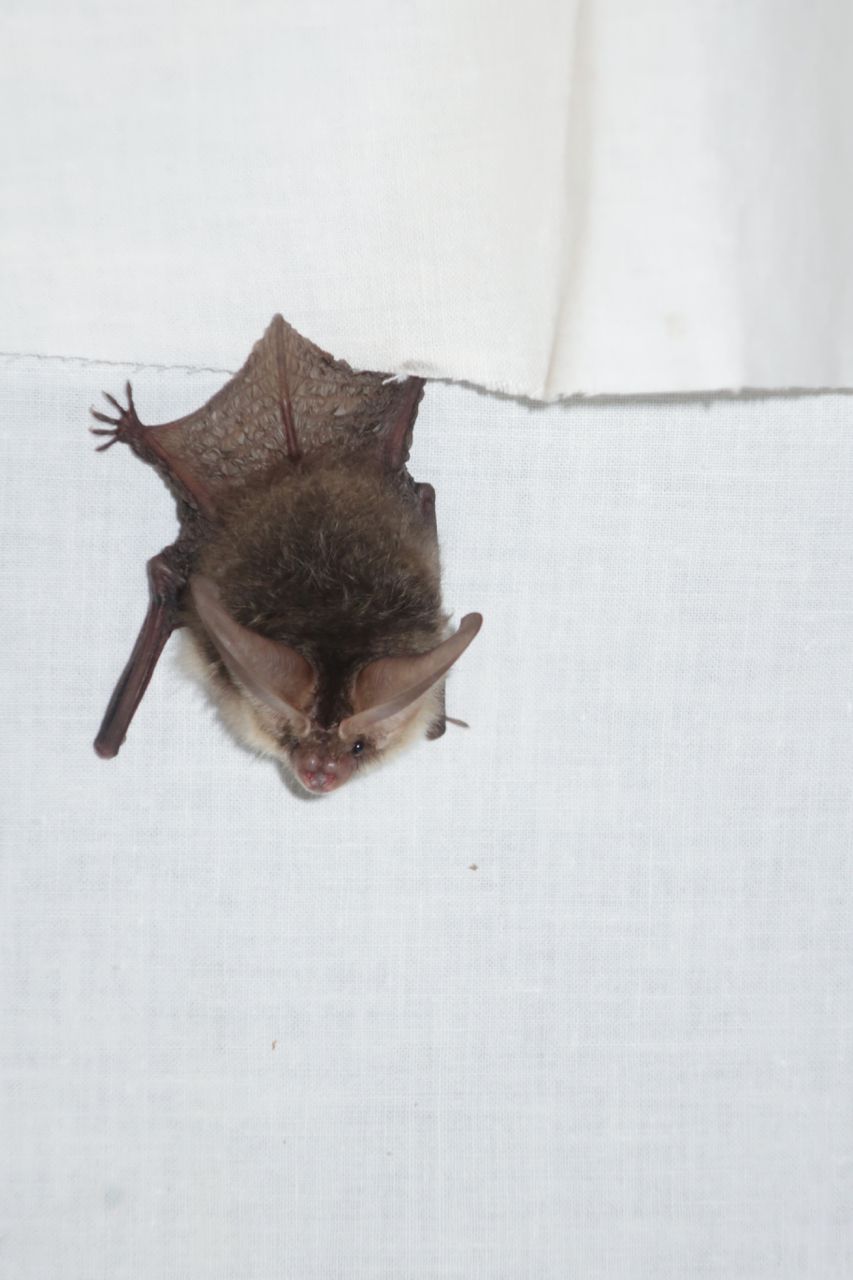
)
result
[(544, 198)]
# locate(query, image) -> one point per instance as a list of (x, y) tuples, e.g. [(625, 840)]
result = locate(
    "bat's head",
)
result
[(272, 702)]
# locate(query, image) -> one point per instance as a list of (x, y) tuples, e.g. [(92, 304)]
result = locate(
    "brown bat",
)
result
[(306, 570)]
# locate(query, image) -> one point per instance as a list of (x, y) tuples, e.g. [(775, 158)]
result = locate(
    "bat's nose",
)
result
[(319, 774), (321, 770)]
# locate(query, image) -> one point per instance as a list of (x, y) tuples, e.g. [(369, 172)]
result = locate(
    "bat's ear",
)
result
[(276, 674), (389, 686)]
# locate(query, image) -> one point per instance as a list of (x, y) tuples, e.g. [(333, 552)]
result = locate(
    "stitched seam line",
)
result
[(113, 364), (579, 397)]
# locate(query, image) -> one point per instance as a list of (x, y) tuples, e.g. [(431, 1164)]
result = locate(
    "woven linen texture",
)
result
[(568, 994)]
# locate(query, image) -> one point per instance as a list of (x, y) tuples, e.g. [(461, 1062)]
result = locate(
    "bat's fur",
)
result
[(335, 562)]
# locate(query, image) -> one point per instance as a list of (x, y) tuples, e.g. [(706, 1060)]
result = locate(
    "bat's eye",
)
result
[(358, 746)]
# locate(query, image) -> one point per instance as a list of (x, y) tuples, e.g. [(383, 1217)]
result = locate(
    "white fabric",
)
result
[(548, 197), (249, 1036), (568, 994)]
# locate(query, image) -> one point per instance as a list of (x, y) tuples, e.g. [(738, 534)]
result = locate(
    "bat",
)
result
[(306, 569)]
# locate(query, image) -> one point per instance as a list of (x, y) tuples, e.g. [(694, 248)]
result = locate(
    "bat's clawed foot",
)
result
[(124, 427)]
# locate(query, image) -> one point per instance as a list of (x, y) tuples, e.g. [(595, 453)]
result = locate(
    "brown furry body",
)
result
[(334, 561)]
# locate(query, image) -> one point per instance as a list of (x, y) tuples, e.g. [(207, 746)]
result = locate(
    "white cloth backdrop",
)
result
[(251, 1037), (547, 197), (568, 994)]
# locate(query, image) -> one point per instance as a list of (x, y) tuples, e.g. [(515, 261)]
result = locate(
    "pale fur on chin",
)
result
[(236, 713), (241, 718), (416, 728)]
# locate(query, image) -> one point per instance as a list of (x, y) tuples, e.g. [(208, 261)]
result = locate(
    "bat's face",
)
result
[(322, 760), (269, 694), (319, 760), (326, 759)]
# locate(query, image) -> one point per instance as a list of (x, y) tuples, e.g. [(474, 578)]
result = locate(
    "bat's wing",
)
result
[(289, 399), (165, 583)]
